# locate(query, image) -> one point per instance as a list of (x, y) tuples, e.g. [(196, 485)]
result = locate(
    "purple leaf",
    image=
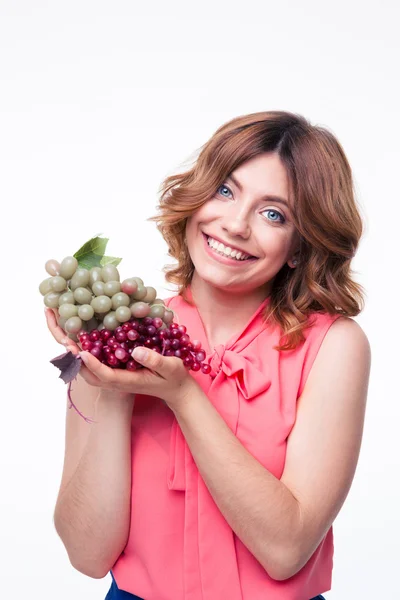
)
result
[(69, 365)]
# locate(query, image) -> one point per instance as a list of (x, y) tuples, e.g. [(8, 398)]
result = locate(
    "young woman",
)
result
[(194, 486)]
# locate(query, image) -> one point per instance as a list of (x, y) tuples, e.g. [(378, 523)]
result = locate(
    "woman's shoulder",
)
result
[(337, 324), (345, 330)]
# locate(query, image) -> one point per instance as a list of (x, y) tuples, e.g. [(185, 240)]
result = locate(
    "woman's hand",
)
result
[(58, 333), (164, 377), (61, 337)]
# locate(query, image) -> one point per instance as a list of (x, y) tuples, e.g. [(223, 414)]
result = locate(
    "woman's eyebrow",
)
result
[(268, 197)]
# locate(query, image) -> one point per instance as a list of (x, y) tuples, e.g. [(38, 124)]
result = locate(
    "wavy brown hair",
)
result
[(323, 205)]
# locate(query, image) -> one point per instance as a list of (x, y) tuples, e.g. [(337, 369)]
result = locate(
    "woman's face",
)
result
[(241, 218)]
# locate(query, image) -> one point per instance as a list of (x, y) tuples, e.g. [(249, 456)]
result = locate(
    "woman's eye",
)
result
[(221, 187), (281, 218)]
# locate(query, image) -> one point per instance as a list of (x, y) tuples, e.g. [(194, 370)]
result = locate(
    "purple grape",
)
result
[(121, 336), (96, 351)]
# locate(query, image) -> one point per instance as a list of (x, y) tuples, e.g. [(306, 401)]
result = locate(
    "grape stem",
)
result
[(72, 405)]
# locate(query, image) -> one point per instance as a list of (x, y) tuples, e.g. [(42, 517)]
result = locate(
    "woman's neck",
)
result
[(223, 313)]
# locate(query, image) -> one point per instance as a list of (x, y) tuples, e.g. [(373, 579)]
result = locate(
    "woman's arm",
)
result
[(92, 513), (283, 521)]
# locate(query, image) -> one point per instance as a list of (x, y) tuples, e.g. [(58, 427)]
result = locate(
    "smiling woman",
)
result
[(278, 163), (230, 487)]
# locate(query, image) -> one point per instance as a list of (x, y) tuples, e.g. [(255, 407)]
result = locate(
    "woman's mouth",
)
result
[(224, 254)]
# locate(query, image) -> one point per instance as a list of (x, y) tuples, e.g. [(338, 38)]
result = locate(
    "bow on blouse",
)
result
[(248, 378)]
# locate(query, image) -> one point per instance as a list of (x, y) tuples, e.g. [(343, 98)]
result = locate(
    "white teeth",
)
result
[(226, 250)]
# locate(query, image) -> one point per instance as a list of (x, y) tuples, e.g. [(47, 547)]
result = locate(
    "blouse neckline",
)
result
[(234, 338)]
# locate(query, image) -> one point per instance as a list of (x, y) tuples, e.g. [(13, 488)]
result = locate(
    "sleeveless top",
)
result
[(180, 545)]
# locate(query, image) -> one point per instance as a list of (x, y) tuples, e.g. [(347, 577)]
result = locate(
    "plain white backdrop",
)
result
[(99, 101)]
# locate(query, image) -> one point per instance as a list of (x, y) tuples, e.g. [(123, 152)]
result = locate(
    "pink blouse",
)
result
[(180, 546)]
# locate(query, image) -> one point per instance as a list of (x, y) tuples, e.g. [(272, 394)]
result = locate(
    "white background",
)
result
[(99, 101)]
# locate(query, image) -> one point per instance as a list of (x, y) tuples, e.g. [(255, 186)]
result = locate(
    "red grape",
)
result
[(114, 348)]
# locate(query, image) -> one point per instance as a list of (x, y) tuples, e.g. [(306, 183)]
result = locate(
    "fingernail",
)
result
[(140, 354), (64, 341)]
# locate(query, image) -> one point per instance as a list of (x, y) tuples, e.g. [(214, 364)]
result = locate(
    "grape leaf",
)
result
[(110, 260), (91, 254), (97, 245), (69, 365)]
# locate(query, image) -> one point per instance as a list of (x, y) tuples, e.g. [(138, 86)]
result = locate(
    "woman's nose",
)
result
[(236, 223)]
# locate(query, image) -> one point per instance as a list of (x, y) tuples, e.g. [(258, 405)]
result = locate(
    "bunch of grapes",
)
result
[(109, 318)]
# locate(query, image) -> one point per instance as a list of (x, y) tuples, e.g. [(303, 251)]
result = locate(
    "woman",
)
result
[(229, 488)]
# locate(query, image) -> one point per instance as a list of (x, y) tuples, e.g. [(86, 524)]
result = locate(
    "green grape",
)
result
[(66, 298), (68, 310), (94, 275), (68, 266), (110, 273), (138, 281), (158, 301), (73, 325), (101, 304), (156, 310), (120, 299), (79, 279), (83, 295), (151, 295), (140, 309), (111, 288), (44, 287), (58, 284), (110, 321), (86, 312), (140, 293), (51, 299), (52, 267), (168, 316), (101, 326), (61, 322), (98, 288), (123, 314)]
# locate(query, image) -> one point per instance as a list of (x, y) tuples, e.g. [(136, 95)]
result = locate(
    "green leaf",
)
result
[(110, 260), (96, 245), (89, 260), (91, 254)]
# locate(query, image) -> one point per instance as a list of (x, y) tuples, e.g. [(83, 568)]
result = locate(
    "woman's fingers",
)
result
[(89, 377), (54, 328), (58, 333), (71, 346)]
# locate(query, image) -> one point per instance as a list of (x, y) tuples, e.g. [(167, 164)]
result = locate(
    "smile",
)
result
[(226, 254)]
